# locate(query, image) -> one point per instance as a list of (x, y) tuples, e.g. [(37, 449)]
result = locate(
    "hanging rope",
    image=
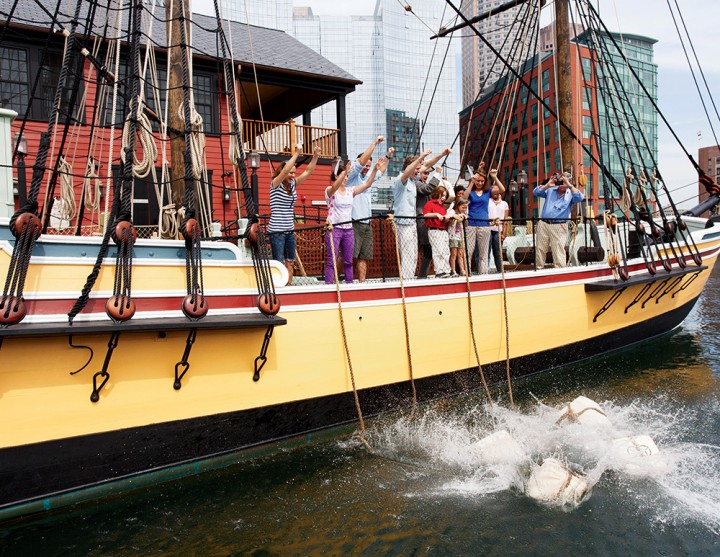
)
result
[(194, 305), (68, 208), (268, 302), (507, 325), (361, 422), (196, 137), (391, 218), (91, 186), (470, 317), (141, 167), (25, 224)]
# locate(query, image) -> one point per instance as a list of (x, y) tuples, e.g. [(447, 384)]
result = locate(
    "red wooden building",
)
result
[(278, 80)]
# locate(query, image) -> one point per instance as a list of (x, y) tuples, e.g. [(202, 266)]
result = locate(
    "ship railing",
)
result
[(584, 246)]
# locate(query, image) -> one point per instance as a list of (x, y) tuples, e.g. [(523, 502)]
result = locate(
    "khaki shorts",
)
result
[(363, 240)]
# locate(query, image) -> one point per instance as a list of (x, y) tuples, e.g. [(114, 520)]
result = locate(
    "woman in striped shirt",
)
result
[(283, 195)]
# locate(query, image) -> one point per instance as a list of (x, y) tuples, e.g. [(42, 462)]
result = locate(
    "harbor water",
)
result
[(426, 489)]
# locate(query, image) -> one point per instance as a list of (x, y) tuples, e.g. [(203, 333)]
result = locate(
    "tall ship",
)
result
[(145, 330)]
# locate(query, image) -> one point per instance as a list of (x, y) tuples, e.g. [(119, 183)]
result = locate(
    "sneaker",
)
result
[(441, 275), (454, 275)]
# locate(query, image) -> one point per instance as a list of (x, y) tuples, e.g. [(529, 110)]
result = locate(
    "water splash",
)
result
[(680, 484)]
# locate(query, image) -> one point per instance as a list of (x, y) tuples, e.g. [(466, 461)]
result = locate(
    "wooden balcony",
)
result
[(281, 138)]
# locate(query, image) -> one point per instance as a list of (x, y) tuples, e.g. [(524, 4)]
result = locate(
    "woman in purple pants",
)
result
[(339, 201)]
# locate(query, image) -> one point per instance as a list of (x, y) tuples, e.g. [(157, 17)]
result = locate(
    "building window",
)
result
[(204, 94), (586, 69), (14, 78), (546, 81), (587, 97), (587, 127), (206, 101), (18, 69), (546, 110)]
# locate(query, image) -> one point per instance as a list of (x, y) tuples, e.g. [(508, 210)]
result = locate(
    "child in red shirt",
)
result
[(436, 222)]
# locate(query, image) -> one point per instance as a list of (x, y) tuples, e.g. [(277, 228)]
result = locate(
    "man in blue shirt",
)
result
[(404, 203), (560, 195), (362, 208)]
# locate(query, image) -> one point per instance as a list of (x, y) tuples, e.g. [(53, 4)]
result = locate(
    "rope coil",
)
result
[(141, 167)]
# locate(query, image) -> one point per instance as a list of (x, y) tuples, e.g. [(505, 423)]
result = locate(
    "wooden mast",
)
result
[(563, 86), (173, 11)]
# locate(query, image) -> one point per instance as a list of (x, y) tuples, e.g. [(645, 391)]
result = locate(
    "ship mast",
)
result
[(177, 13), (563, 84)]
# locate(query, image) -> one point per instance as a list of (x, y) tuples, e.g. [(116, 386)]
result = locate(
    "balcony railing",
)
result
[(281, 138)]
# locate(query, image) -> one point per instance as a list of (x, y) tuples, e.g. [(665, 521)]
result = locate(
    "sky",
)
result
[(677, 94)]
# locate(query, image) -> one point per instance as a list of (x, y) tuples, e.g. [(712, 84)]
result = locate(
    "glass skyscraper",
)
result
[(408, 92), (478, 67)]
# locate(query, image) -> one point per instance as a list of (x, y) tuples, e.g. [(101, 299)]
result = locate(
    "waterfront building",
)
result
[(533, 145), (709, 160)]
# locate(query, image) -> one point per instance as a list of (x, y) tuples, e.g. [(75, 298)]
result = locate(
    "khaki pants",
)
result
[(551, 236)]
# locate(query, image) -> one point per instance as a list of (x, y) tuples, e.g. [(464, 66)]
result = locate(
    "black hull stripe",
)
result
[(45, 475)]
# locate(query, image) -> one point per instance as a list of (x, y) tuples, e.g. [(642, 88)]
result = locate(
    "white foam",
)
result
[(643, 455)]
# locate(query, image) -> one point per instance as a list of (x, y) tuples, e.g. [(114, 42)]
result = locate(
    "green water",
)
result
[(422, 492)]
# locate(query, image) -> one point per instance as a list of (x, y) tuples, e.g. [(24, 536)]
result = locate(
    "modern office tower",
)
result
[(478, 71), (409, 82), (417, 78), (623, 94), (274, 14)]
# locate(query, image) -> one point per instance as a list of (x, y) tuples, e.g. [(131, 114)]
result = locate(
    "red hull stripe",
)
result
[(374, 293)]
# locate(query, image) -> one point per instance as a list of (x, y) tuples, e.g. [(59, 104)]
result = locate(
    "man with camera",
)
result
[(560, 195)]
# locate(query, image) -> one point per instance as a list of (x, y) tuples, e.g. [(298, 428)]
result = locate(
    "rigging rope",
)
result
[(194, 305), (343, 333), (470, 316), (25, 224), (391, 218), (267, 299), (141, 167), (507, 327)]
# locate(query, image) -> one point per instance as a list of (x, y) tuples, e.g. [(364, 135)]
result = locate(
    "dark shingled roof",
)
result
[(270, 48)]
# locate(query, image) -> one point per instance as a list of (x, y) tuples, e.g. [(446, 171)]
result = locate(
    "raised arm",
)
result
[(330, 190), (471, 184), (498, 183), (430, 164), (413, 166), (365, 157), (280, 178), (310, 167), (380, 166)]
